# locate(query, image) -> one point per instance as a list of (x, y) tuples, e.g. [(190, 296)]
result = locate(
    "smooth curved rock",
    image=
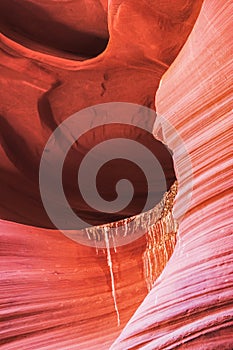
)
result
[(77, 29), (56, 294), (191, 304), (39, 91)]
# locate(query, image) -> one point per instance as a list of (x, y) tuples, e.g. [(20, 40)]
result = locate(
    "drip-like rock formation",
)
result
[(58, 294), (191, 304)]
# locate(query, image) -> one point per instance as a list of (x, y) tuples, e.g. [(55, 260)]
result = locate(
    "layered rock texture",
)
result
[(39, 91), (58, 294), (59, 57), (191, 304)]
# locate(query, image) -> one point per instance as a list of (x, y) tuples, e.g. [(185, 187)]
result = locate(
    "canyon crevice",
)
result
[(171, 288)]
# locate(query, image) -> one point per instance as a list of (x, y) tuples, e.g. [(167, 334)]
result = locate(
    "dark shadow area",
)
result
[(30, 25)]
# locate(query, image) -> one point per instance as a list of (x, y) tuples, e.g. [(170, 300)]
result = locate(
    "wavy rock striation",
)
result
[(57, 294), (191, 304)]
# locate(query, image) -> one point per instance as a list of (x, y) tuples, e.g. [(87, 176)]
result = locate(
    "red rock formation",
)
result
[(58, 294), (55, 293), (45, 88), (191, 304)]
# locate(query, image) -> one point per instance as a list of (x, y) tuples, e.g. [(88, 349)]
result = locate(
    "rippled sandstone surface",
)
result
[(191, 304), (56, 294)]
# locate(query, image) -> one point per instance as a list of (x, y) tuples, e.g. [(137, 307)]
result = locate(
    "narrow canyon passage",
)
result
[(58, 58)]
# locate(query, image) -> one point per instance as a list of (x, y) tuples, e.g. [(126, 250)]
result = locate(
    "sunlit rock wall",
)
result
[(56, 294), (191, 304)]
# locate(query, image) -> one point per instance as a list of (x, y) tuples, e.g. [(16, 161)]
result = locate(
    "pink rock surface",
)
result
[(57, 294), (191, 304)]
